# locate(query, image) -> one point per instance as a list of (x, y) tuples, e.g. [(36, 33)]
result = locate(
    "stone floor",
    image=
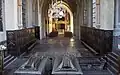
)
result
[(52, 47)]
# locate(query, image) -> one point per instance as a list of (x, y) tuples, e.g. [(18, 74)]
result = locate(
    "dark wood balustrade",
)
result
[(99, 40)]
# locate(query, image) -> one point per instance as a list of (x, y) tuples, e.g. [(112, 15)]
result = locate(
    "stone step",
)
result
[(114, 54), (7, 57), (112, 62), (8, 60), (97, 72), (113, 58), (113, 70)]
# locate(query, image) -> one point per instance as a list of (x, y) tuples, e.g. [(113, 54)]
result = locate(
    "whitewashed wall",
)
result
[(11, 14), (107, 14), (29, 13), (9, 17)]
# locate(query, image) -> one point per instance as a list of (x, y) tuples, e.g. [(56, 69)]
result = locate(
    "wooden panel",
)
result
[(99, 40), (19, 40)]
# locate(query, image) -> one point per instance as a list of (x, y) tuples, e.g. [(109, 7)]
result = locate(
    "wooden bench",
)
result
[(68, 34)]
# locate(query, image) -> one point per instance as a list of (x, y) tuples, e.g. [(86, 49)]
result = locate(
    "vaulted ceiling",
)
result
[(71, 3)]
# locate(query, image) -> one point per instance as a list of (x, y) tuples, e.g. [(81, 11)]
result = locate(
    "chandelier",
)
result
[(56, 11)]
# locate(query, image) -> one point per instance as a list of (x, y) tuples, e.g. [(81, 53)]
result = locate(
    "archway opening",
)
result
[(60, 18)]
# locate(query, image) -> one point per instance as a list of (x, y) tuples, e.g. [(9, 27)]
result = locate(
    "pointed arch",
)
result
[(66, 6)]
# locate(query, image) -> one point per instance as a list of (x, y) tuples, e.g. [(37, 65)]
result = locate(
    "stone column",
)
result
[(40, 5), (82, 12), (117, 18), (43, 20), (80, 16), (85, 20), (19, 13), (76, 25), (116, 34), (3, 33), (89, 13), (36, 13), (33, 12)]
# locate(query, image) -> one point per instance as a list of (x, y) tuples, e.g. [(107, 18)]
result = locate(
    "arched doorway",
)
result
[(61, 23)]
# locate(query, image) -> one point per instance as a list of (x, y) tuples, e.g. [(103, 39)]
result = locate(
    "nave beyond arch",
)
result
[(64, 36)]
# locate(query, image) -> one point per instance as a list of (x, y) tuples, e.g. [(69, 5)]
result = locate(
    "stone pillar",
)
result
[(40, 5), (33, 12), (76, 25), (85, 20), (116, 33), (43, 21), (82, 12), (19, 14), (40, 22), (75, 22), (89, 13), (98, 13), (3, 33), (11, 14), (117, 19), (80, 17), (36, 13)]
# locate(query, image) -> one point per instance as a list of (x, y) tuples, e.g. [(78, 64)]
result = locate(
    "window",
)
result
[(24, 13), (1, 24), (94, 12), (98, 11), (85, 12)]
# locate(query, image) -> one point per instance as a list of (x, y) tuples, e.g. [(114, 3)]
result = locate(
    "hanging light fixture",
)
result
[(56, 11)]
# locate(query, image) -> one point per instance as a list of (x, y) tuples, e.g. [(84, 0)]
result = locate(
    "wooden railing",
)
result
[(99, 40), (18, 41)]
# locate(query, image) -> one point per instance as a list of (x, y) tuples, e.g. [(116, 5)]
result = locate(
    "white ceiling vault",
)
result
[(44, 4)]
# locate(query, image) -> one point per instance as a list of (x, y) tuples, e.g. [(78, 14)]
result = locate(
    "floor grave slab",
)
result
[(34, 66), (66, 65)]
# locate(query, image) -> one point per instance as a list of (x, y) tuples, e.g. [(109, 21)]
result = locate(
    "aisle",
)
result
[(60, 46)]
